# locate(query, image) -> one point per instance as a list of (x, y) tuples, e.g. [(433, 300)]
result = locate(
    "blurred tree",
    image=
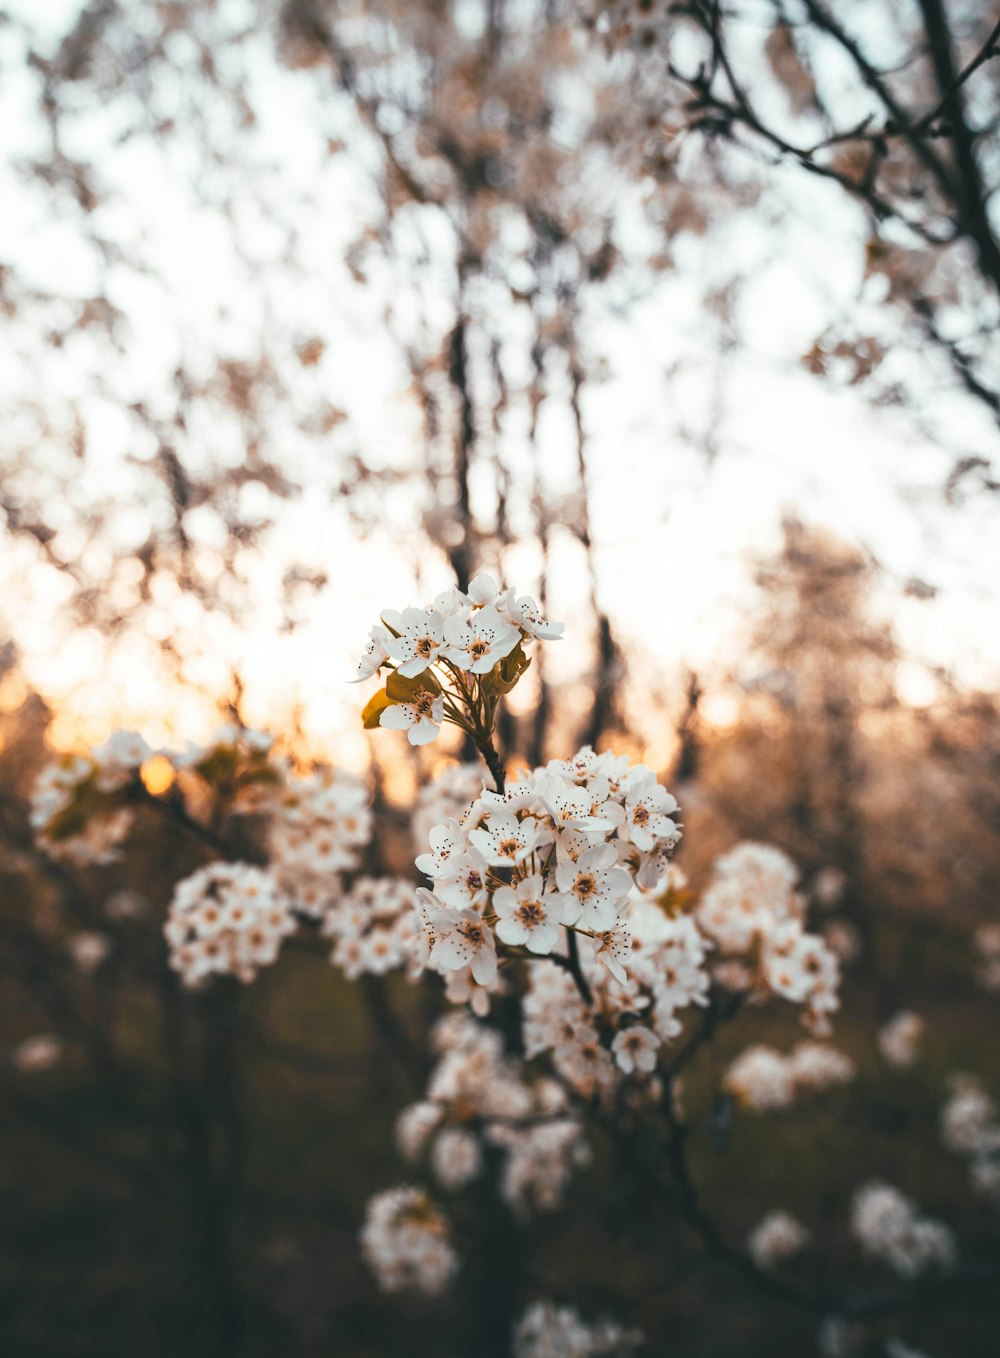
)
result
[(210, 197), (895, 105), (889, 807)]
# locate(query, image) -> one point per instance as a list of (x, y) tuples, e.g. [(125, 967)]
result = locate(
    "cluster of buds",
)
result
[(452, 661)]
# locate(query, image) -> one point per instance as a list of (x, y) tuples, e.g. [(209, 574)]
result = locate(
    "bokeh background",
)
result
[(309, 308)]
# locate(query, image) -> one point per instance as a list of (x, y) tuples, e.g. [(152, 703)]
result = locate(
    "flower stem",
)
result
[(485, 746), (576, 970)]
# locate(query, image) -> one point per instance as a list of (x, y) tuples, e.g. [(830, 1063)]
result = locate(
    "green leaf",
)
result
[(402, 690), (373, 709), (506, 672)]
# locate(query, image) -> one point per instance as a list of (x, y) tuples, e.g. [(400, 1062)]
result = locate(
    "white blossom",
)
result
[(527, 917), (775, 1238), (419, 641), (550, 1331), (420, 718), (886, 1225), (593, 888), (635, 1050), (377, 651), (226, 917), (504, 840), (405, 1242), (899, 1039), (477, 643)]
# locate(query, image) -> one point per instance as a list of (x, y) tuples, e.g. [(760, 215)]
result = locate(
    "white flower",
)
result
[(226, 917), (635, 1049), (593, 888), (817, 1066), (419, 641), (527, 917), (647, 815), (466, 885), (776, 1237), (505, 841), (477, 644), (449, 602), (799, 966), (415, 1125), (613, 948), (573, 807), (421, 719), (899, 1039), (120, 754), (405, 1242), (448, 845), (761, 1078), (550, 1331), (887, 1227), (969, 1119), (524, 613), (461, 938), (376, 654), (456, 1157), (483, 590)]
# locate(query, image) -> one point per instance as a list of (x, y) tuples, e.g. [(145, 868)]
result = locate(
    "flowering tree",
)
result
[(597, 1006), (621, 1146)]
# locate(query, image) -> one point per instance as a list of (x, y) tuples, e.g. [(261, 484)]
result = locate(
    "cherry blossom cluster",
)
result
[(886, 1225), (899, 1039), (755, 915), (82, 806), (970, 1128), (478, 1097), (373, 926), (451, 661), (77, 807), (320, 823), (405, 1242), (765, 1080), (226, 918), (775, 1238), (550, 1331), (561, 849), (620, 1031)]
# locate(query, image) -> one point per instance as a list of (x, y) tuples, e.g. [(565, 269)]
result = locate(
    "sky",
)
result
[(673, 529)]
